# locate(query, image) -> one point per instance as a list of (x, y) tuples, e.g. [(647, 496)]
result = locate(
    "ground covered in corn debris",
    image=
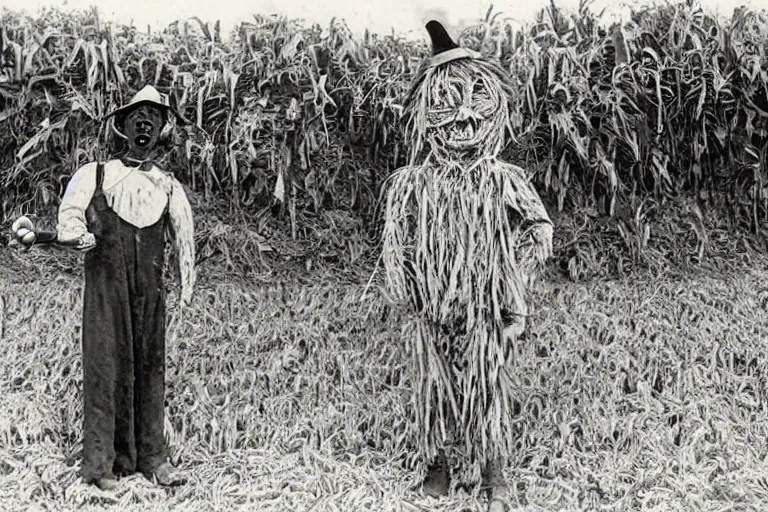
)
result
[(642, 394)]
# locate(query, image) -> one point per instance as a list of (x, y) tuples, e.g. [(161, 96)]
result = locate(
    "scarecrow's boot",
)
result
[(166, 475), (494, 482), (437, 481)]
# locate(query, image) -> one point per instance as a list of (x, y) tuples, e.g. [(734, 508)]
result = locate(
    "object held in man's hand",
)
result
[(23, 231), (26, 236)]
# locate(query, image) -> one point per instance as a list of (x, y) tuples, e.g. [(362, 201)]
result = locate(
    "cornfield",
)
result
[(297, 127)]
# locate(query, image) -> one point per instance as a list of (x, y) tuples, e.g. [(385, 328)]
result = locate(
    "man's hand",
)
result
[(536, 242), (22, 222), (541, 235), (86, 243)]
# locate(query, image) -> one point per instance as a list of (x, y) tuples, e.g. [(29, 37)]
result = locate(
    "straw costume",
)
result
[(118, 212), (465, 234)]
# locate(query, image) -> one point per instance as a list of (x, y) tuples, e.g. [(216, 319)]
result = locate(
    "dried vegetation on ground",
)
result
[(641, 394)]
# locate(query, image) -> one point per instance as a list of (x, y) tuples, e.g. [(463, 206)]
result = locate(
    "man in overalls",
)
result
[(118, 213)]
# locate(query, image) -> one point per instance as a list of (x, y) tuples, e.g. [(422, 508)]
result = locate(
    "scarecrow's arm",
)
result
[(72, 223), (183, 229), (399, 258), (536, 226)]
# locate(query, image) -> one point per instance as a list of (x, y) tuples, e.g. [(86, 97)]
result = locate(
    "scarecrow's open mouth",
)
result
[(462, 131)]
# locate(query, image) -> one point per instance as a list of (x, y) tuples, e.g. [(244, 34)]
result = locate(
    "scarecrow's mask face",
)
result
[(461, 113), (142, 126)]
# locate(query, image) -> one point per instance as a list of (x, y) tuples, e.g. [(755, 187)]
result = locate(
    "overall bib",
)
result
[(123, 339)]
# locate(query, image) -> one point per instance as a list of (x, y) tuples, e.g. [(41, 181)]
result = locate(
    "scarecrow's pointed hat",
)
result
[(148, 96), (441, 41), (445, 49)]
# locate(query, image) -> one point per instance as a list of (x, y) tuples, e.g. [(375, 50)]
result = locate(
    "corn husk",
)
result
[(461, 246)]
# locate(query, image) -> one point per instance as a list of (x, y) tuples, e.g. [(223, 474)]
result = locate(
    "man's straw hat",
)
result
[(148, 96)]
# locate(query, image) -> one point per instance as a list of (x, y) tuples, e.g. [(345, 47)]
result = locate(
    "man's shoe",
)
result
[(168, 476), (106, 484)]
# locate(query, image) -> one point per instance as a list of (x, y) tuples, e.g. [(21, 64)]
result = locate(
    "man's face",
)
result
[(143, 126)]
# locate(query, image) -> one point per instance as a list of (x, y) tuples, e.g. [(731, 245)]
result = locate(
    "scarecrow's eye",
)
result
[(449, 93), (444, 104), (478, 90), (459, 94), (483, 102), (437, 116)]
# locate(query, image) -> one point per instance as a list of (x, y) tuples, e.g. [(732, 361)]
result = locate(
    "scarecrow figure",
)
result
[(117, 212), (465, 234)]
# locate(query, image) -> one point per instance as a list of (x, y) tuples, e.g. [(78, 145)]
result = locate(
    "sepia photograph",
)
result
[(401, 256)]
